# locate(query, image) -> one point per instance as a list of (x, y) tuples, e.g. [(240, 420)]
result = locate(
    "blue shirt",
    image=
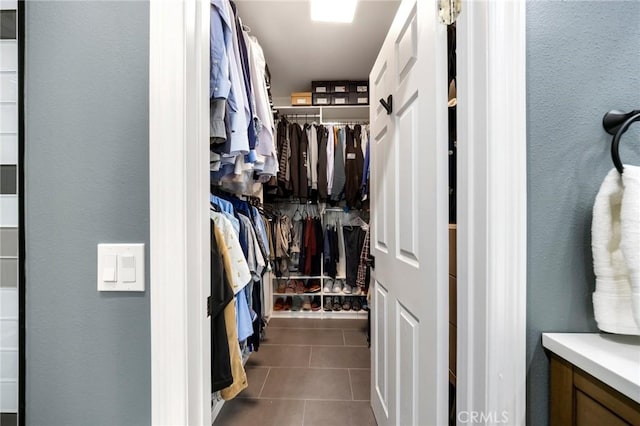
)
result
[(220, 41), (243, 316), (224, 205)]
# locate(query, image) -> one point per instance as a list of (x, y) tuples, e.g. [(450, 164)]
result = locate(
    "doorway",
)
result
[(474, 233)]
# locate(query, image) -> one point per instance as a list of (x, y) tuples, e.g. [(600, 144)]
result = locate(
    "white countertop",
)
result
[(611, 358)]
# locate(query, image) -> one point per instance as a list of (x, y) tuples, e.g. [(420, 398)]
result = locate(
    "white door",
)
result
[(409, 196)]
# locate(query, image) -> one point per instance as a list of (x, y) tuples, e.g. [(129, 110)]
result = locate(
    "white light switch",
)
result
[(127, 268), (110, 268), (121, 267)]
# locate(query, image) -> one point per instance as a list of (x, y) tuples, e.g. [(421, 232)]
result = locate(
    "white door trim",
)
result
[(179, 223), (492, 211)]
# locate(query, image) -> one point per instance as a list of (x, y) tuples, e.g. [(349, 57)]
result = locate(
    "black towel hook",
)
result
[(617, 123)]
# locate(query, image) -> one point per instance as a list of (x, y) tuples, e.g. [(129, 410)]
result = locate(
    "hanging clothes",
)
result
[(323, 138), (364, 270), (339, 177), (221, 295), (366, 169), (331, 146), (353, 241), (284, 154), (238, 275), (354, 165), (312, 158)]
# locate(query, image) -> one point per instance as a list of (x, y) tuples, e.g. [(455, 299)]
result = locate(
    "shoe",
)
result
[(346, 304), (328, 302), (328, 284), (306, 303), (346, 289), (288, 302), (297, 303), (314, 286), (356, 306), (279, 304), (300, 287), (337, 306), (365, 305), (282, 287), (356, 291), (337, 286), (291, 287), (315, 303)]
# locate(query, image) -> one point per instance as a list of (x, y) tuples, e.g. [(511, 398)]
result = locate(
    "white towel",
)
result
[(612, 300), (630, 242)]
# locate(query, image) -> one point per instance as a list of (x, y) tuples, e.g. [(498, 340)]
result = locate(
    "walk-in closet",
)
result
[(326, 157)]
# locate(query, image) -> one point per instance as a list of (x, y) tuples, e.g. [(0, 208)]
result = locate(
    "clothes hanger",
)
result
[(297, 215), (617, 123)]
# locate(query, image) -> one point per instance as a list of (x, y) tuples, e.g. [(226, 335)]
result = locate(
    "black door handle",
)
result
[(388, 104)]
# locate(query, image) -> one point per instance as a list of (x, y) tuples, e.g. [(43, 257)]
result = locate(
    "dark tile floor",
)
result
[(307, 372)]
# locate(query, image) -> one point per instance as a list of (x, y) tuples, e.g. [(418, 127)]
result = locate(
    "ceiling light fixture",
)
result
[(341, 11)]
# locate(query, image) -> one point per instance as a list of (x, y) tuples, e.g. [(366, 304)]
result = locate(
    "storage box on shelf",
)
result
[(340, 92), (301, 98)]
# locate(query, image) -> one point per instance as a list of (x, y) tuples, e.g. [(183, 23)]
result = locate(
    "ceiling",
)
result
[(299, 50)]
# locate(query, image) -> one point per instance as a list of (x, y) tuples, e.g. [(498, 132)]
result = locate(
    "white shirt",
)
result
[(312, 155), (240, 274), (330, 155)]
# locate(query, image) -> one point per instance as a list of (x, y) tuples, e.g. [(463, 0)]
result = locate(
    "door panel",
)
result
[(407, 366), (409, 199), (380, 356), (406, 196)]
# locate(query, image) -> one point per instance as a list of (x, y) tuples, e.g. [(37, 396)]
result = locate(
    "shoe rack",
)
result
[(287, 286)]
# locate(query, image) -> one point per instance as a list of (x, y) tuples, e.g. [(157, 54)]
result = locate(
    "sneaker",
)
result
[(328, 303), (365, 305), (346, 289), (346, 304), (315, 303), (337, 286), (356, 291), (356, 306), (328, 284), (337, 306), (306, 303), (297, 303)]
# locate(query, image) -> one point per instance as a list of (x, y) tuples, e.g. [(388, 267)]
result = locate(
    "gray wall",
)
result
[(582, 60), (86, 165)]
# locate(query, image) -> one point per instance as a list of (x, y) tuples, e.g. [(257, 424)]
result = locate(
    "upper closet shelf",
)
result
[(329, 113)]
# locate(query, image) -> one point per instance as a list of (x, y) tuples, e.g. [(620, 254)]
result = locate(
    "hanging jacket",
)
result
[(339, 178), (322, 164), (354, 165)]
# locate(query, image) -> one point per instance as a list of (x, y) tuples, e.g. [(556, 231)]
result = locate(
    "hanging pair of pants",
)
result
[(353, 242)]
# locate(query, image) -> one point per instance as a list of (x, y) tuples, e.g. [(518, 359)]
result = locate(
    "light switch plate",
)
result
[(128, 259)]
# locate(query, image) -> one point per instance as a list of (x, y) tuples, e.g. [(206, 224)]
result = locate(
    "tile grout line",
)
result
[(310, 355), (264, 383), (304, 411), (353, 398)]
